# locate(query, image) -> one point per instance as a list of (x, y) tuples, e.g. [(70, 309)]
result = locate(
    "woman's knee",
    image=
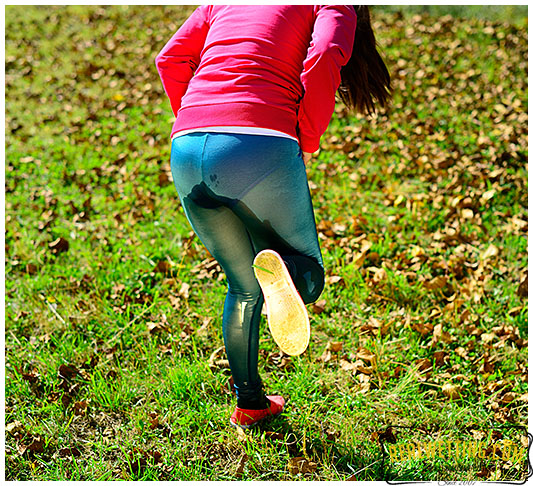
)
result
[(314, 286), (307, 275)]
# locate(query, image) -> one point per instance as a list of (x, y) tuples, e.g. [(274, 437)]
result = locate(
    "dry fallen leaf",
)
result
[(509, 397), (490, 252), (301, 465), (59, 245), (422, 327), (67, 371), (274, 435), (423, 365), (240, 465), (436, 283), (439, 357), (319, 307), (331, 347), (451, 391), (80, 407), (69, 452), (522, 288), (15, 427)]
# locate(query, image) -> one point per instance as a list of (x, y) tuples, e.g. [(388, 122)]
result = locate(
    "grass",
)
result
[(113, 308)]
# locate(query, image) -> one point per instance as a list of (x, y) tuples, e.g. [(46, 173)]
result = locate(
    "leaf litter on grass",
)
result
[(421, 213)]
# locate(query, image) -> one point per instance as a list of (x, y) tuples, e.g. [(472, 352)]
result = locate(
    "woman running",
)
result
[(253, 89)]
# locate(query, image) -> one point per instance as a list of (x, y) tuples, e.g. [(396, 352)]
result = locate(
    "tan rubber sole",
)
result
[(286, 313)]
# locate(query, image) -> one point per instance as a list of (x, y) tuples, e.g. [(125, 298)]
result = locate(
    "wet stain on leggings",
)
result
[(309, 281)]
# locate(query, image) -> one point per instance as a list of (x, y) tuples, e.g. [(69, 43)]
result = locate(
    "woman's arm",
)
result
[(180, 57), (330, 49)]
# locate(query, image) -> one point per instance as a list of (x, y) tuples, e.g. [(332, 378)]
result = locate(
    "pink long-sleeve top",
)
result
[(275, 67)]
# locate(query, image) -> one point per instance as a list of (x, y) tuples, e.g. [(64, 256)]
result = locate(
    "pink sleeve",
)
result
[(180, 57), (330, 49)]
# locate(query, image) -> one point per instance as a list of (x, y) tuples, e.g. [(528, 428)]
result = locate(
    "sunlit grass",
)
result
[(423, 263)]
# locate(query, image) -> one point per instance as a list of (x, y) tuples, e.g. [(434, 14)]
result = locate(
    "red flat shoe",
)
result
[(246, 419)]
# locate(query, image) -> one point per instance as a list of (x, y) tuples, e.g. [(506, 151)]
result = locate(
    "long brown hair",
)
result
[(365, 79)]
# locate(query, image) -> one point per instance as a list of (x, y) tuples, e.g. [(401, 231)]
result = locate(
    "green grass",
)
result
[(111, 370)]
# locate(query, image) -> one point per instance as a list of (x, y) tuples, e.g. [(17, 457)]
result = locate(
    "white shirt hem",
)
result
[(239, 130)]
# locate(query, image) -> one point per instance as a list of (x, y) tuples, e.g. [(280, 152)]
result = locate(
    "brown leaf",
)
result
[(80, 407), (440, 335), (67, 372), (335, 347), (37, 445), (358, 260), (31, 377), (164, 179), (451, 391), (439, 357), (331, 347), (66, 399), (31, 269), (154, 423), (489, 253), (423, 364), (373, 326), (515, 311), (397, 372), (319, 307), (366, 355), (160, 326), (14, 428), (422, 328), (166, 348), (358, 366), (335, 280), (59, 245), (184, 290), (215, 360), (461, 352), (488, 367), (436, 283), (373, 257), (522, 288), (384, 436), (488, 337), (156, 456), (301, 465), (240, 466), (163, 267), (347, 366), (509, 397), (332, 435), (485, 472), (69, 452)]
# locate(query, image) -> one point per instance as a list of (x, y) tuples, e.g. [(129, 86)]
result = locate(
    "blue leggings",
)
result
[(243, 194)]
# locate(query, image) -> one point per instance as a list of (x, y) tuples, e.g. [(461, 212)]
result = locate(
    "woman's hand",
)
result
[(306, 156)]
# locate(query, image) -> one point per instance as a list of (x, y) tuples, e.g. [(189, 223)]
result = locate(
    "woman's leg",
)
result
[(225, 236), (228, 241), (243, 194), (278, 213)]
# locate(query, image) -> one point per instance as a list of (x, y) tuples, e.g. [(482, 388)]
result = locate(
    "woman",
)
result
[(253, 89)]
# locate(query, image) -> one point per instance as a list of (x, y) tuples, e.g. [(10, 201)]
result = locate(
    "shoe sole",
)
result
[(287, 316), (245, 427)]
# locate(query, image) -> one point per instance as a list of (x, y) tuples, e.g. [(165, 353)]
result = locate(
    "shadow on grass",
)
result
[(355, 461)]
